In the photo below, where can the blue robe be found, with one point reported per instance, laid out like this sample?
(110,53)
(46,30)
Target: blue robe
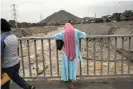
(69,68)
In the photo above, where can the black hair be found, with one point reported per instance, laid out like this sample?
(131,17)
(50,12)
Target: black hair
(5,27)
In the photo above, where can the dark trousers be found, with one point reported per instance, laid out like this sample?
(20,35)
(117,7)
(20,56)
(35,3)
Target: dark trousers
(13,73)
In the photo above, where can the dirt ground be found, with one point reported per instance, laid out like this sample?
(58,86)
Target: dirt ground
(98,63)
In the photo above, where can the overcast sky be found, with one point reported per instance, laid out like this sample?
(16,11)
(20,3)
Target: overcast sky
(30,10)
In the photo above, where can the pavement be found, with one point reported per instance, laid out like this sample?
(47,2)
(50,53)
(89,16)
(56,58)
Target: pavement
(124,83)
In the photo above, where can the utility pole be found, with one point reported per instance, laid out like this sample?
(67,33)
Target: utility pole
(41,17)
(65,19)
(53,22)
(14,11)
(95,15)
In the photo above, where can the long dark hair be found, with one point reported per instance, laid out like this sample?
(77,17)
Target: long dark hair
(5,27)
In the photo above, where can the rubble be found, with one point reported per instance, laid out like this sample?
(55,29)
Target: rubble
(100,29)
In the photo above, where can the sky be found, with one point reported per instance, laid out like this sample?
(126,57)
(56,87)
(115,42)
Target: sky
(30,10)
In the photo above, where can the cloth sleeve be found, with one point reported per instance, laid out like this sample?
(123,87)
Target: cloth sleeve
(81,34)
(58,36)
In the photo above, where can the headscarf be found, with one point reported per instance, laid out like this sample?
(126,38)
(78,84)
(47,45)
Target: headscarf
(69,41)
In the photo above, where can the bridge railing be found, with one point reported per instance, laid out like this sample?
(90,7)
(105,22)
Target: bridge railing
(103,55)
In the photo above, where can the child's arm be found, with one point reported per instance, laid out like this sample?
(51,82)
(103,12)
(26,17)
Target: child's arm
(5,78)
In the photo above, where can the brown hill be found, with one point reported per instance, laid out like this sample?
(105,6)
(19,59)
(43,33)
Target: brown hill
(59,17)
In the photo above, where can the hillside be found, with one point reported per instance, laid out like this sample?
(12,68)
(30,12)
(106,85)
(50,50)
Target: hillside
(59,17)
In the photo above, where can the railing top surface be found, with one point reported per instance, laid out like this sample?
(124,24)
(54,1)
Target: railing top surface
(90,36)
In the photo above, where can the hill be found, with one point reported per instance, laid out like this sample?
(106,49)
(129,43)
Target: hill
(61,16)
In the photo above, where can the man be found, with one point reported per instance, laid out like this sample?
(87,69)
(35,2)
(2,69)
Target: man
(9,57)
